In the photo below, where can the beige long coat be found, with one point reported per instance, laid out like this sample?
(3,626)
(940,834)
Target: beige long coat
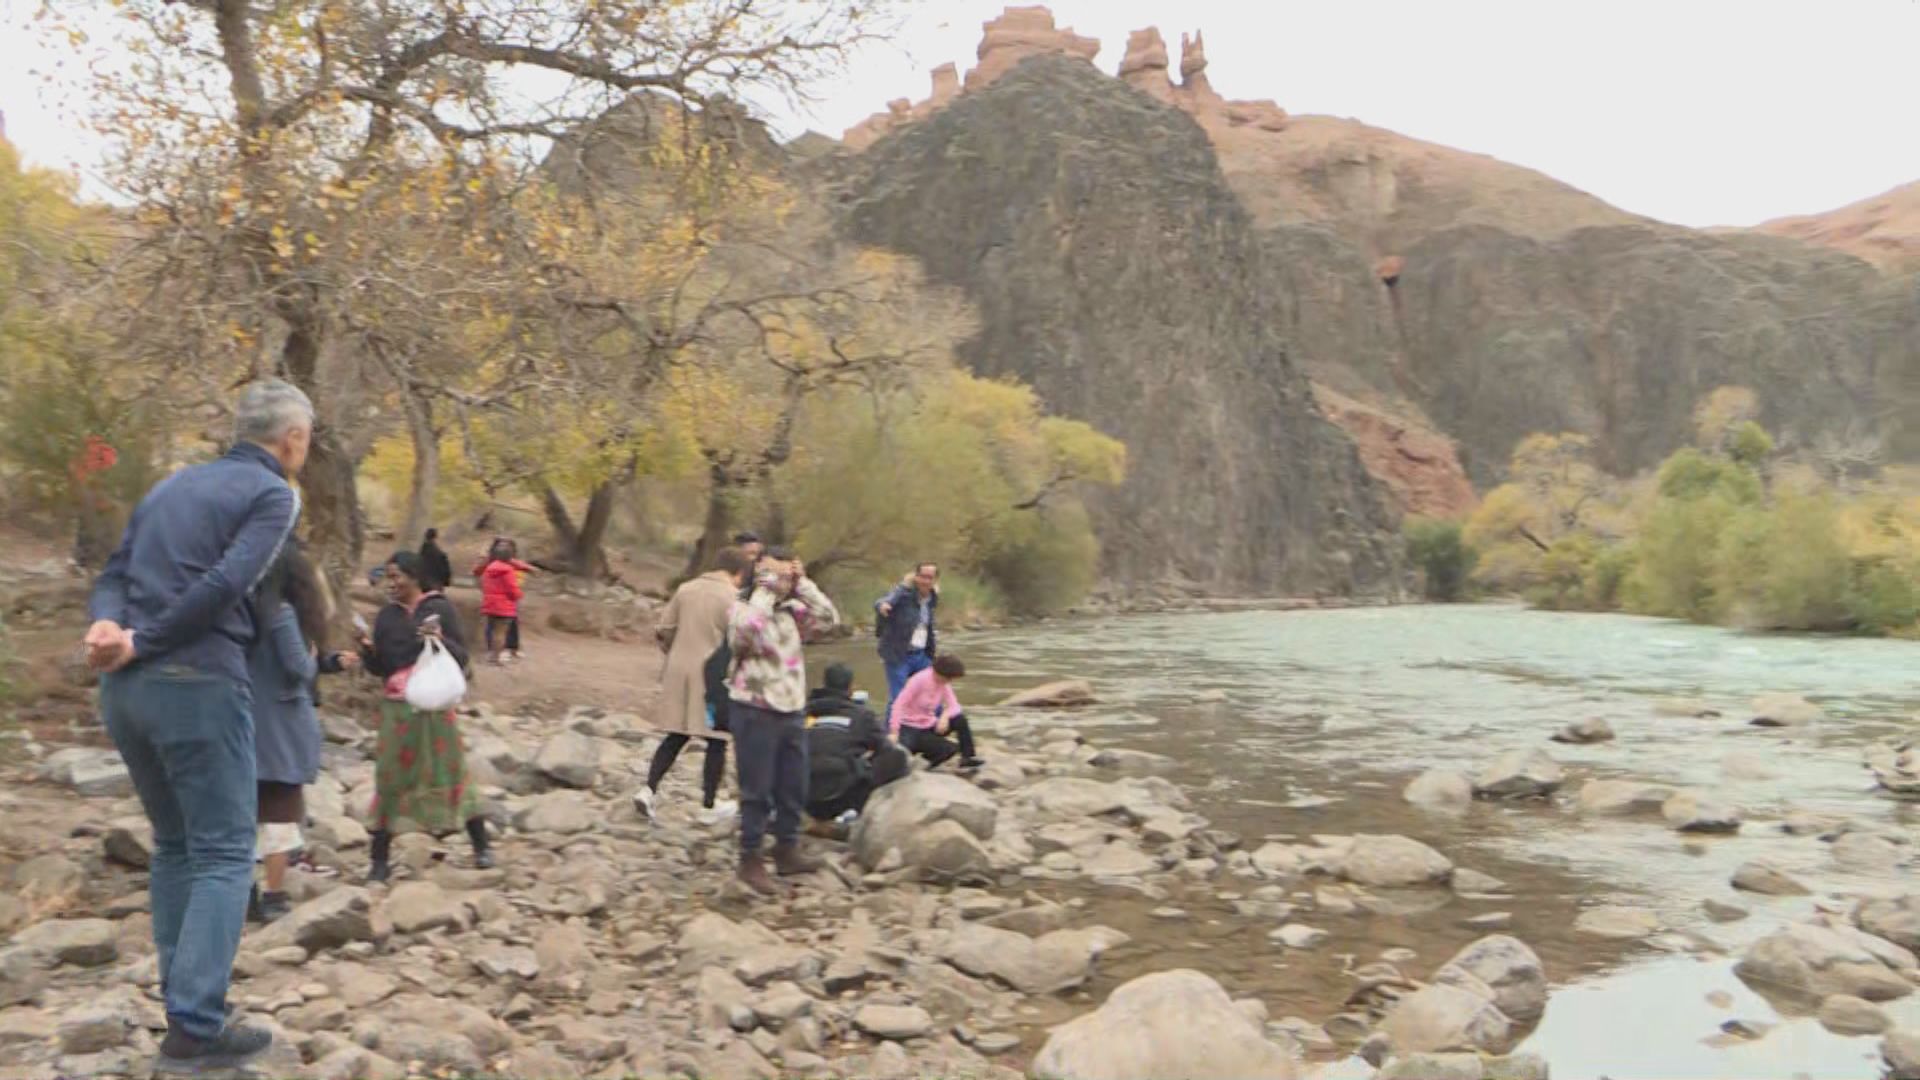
(693,625)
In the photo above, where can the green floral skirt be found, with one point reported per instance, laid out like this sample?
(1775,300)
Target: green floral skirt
(420,775)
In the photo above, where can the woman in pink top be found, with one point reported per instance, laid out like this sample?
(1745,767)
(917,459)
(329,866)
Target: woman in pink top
(927,711)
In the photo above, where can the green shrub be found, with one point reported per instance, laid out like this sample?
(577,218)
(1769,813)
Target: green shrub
(1884,597)
(1445,560)
(1749,444)
(1674,557)
(1691,474)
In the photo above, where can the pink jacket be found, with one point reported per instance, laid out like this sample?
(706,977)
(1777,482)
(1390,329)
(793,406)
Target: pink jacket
(922,702)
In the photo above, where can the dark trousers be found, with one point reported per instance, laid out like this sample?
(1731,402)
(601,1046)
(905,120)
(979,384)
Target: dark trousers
(511,624)
(187,738)
(711,770)
(938,748)
(770,752)
(890,763)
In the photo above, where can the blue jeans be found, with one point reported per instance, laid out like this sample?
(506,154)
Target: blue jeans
(187,738)
(899,671)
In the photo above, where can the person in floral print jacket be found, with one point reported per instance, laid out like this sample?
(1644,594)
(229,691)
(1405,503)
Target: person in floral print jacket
(767,689)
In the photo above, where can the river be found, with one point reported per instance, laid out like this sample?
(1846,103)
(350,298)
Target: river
(1329,713)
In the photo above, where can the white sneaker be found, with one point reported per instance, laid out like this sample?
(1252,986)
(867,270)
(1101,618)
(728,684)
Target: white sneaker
(723,810)
(643,802)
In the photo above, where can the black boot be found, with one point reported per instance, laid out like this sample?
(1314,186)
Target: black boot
(253,906)
(382,848)
(477,832)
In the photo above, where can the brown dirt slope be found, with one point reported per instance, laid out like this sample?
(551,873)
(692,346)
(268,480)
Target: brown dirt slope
(1884,230)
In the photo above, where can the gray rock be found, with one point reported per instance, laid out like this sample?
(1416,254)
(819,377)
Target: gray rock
(769,963)
(1441,1017)
(129,842)
(945,851)
(1520,774)
(80,942)
(896,1022)
(1169,1024)
(430,1048)
(1846,1015)
(1033,920)
(502,961)
(711,939)
(569,758)
(1065,694)
(1901,1051)
(1721,912)
(1517,1067)
(91,773)
(1434,1067)
(361,987)
(1766,879)
(1393,862)
(1685,708)
(339,918)
(1585,732)
(1618,922)
(1815,962)
(1507,968)
(1896,919)
(1474,883)
(94,1027)
(1785,710)
(341,729)
(1057,961)
(723,1002)
(416,907)
(48,877)
(563,813)
(1867,853)
(1299,936)
(908,806)
(995,1043)
(844,974)
(1622,797)
(1119,859)
(1440,789)
(1698,812)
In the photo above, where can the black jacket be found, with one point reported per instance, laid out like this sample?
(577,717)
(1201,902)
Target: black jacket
(895,631)
(396,635)
(438,567)
(842,737)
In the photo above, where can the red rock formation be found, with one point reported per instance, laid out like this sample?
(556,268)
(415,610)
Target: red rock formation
(1021,32)
(1418,466)
(1144,67)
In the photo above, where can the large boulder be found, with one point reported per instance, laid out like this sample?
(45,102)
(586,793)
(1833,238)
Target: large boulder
(1057,961)
(341,917)
(571,759)
(1621,797)
(1168,1024)
(1506,967)
(1807,962)
(1699,812)
(1896,919)
(1394,862)
(1441,1017)
(1440,789)
(946,851)
(80,942)
(907,806)
(1065,694)
(1520,774)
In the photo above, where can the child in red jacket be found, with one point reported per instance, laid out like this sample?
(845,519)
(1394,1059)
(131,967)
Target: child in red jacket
(500,592)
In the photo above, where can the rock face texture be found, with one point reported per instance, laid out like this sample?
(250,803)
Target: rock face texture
(1884,230)
(1116,272)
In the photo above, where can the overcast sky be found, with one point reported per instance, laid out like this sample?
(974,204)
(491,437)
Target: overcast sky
(1693,111)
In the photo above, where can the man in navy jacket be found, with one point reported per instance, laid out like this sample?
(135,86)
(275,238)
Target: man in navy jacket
(904,624)
(172,625)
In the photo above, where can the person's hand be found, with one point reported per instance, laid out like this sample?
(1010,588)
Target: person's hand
(109,646)
(886,610)
(430,629)
(349,661)
(942,726)
(799,570)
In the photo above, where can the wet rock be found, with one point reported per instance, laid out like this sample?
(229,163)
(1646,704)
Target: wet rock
(1171,1023)
(1896,770)
(1299,936)
(1434,1067)
(1065,694)
(1815,962)
(1896,919)
(1698,812)
(894,1022)
(1393,862)
(1867,853)
(1057,961)
(1745,765)
(129,842)
(1785,710)
(416,907)
(1622,797)
(1035,920)
(1474,883)
(1901,1051)
(1585,732)
(1768,880)
(1845,1015)
(570,759)
(80,942)
(339,918)
(911,805)
(1519,774)
(1507,969)
(1492,920)
(563,813)
(1618,922)
(1722,912)
(1440,789)
(1685,708)
(1440,1017)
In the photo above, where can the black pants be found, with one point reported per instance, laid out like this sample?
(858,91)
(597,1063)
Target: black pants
(710,773)
(938,748)
(512,624)
(770,752)
(513,635)
(890,763)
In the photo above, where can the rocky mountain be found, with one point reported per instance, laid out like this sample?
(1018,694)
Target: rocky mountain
(1884,230)
(1445,303)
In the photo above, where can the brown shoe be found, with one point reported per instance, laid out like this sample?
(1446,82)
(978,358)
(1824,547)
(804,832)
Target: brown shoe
(828,830)
(753,874)
(790,861)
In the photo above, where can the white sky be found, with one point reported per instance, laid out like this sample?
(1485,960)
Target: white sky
(1693,111)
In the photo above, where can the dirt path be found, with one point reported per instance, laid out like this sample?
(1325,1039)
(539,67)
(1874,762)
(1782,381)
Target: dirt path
(562,670)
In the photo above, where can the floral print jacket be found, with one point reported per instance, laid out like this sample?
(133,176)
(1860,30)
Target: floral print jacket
(766,634)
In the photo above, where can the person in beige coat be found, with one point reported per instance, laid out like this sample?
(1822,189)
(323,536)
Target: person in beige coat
(690,630)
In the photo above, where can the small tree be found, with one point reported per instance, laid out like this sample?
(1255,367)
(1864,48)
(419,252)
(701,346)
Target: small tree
(1439,549)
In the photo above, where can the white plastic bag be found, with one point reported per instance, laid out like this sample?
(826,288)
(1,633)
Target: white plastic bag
(436,683)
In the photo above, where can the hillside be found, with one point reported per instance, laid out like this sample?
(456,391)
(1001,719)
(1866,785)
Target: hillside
(1884,230)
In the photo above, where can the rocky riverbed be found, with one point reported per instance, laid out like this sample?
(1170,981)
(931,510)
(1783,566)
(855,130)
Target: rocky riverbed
(1067,912)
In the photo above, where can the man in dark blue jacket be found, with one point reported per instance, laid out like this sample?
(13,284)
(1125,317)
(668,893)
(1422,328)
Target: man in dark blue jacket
(171,632)
(904,624)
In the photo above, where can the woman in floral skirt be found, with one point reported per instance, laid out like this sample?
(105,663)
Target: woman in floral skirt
(421,770)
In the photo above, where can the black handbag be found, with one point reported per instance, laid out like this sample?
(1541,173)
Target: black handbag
(719,666)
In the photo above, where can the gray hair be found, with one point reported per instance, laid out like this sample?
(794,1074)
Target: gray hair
(268,409)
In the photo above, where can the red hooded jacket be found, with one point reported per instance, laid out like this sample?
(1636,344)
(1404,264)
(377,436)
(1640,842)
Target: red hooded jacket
(500,590)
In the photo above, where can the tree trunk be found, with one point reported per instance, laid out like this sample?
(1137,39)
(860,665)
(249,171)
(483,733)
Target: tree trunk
(582,547)
(330,508)
(718,531)
(426,465)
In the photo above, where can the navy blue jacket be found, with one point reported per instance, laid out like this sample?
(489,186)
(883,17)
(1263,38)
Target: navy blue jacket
(286,732)
(896,631)
(195,550)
